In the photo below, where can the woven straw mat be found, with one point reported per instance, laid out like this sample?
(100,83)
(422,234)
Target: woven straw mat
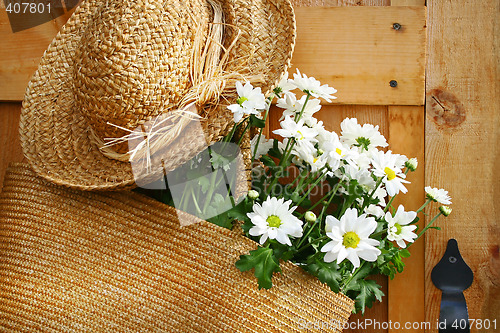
(119,261)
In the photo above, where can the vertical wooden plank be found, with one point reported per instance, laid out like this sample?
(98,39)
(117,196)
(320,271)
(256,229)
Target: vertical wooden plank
(462,146)
(406,298)
(10,146)
(407,290)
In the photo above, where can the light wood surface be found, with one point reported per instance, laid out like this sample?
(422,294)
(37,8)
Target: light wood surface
(407,136)
(354,49)
(10,146)
(462,146)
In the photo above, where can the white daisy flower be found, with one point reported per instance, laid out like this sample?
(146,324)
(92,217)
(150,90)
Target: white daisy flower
(285,86)
(363,176)
(445,210)
(351,238)
(334,150)
(438,195)
(301,133)
(264,145)
(412,164)
(305,154)
(365,137)
(388,166)
(374,210)
(250,101)
(293,107)
(313,87)
(398,229)
(253,194)
(274,220)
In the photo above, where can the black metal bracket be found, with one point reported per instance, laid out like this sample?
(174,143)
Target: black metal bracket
(452,276)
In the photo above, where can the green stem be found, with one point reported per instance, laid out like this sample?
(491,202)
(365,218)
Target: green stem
(352,276)
(196,204)
(365,202)
(428,225)
(303,107)
(389,204)
(320,177)
(311,227)
(243,134)
(309,244)
(424,205)
(381,232)
(260,132)
(329,201)
(211,190)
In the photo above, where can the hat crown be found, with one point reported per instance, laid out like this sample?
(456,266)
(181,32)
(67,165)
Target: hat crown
(134,62)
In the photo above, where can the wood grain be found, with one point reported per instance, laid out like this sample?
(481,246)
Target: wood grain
(10,146)
(407,136)
(462,146)
(20,54)
(354,49)
(407,290)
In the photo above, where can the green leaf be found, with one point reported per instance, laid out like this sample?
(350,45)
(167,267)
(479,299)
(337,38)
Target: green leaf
(268,161)
(360,274)
(404,253)
(326,272)
(257,122)
(265,264)
(239,212)
(222,220)
(274,151)
(369,291)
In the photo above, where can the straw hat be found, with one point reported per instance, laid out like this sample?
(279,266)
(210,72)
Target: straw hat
(119,261)
(117,67)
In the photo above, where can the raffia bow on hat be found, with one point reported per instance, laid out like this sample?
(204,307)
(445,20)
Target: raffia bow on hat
(118,66)
(119,261)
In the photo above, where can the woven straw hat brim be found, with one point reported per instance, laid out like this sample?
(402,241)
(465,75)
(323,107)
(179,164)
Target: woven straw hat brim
(119,261)
(56,138)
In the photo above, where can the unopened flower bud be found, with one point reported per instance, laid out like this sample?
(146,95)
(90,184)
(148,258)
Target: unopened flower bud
(310,217)
(412,164)
(445,210)
(320,152)
(252,194)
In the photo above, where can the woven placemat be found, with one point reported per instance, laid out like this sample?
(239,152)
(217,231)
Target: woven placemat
(120,261)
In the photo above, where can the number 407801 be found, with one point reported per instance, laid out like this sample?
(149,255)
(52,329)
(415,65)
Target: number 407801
(27,7)
(475,323)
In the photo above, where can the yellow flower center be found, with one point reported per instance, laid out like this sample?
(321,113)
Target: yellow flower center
(301,135)
(241,100)
(315,160)
(398,228)
(338,151)
(390,173)
(273,221)
(351,239)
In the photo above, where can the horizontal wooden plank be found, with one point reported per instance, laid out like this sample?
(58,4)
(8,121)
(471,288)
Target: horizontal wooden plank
(357,51)
(354,49)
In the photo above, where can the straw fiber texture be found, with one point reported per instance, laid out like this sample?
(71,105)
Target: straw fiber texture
(118,64)
(120,262)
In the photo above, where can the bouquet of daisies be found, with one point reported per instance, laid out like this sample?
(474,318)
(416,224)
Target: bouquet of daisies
(317,199)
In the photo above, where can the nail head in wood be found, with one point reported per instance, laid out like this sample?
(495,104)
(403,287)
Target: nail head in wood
(396,26)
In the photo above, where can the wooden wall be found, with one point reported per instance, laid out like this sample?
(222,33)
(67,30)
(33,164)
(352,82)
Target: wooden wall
(461,126)
(462,145)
